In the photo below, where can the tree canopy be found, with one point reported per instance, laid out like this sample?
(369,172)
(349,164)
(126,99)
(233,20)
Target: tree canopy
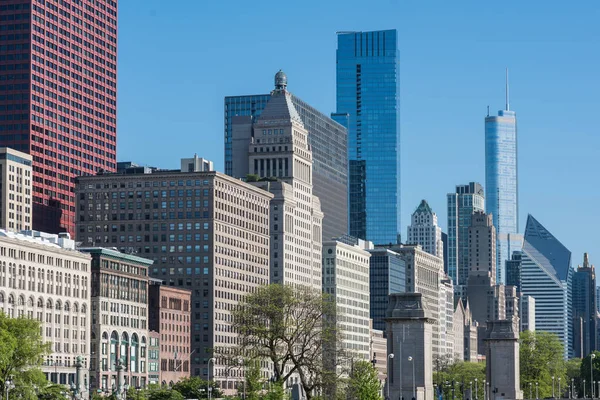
(541,358)
(363,383)
(22,349)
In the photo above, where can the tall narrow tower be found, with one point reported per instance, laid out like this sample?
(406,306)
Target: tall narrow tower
(501,182)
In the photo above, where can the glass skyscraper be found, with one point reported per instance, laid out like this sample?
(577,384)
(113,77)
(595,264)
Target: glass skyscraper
(466,200)
(368,90)
(387,275)
(547,276)
(501,184)
(328,140)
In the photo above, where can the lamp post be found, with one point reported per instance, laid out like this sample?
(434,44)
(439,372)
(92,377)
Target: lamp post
(489,394)
(484,391)
(471,389)
(572,388)
(592,356)
(9,385)
(536,391)
(410,359)
(584,388)
(209,387)
(530,391)
(552,386)
(390,357)
(476,395)
(559,392)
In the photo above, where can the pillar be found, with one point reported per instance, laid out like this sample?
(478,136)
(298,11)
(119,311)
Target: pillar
(502,360)
(409,326)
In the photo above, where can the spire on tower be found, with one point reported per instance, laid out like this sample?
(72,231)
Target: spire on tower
(507,101)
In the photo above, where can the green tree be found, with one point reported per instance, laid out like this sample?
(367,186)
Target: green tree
(573,367)
(459,377)
(587,375)
(363,383)
(289,327)
(164,394)
(21,353)
(196,388)
(541,358)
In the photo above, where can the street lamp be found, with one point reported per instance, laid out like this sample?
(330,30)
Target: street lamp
(552,386)
(476,395)
(390,357)
(410,359)
(559,392)
(530,391)
(209,387)
(584,388)
(471,389)
(592,356)
(9,385)
(572,388)
(536,391)
(489,393)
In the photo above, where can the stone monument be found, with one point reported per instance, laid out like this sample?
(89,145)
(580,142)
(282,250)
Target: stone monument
(502,360)
(409,326)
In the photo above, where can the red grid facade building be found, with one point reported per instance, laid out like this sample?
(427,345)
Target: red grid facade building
(58,96)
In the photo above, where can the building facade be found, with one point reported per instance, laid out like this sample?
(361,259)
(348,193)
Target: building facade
(462,204)
(387,275)
(169,312)
(368,90)
(15,190)
(379,354)
(501,182)
(119,332)
(547,276)
(425,231)
(328,142)
(424,273)
(205,231)
(42,277)
(527,313)
(346,280)
(584,310)
(447,317)
(58,97)
(458,326)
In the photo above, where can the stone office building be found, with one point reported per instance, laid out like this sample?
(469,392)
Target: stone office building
(119,319)
(205,231)
(43,277)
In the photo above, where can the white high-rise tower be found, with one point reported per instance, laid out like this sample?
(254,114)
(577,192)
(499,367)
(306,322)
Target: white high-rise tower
(424,230)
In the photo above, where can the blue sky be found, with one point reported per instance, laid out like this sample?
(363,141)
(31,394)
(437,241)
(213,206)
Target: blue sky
(176,63)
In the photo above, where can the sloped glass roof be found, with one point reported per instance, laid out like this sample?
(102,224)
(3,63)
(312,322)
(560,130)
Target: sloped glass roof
(546,249)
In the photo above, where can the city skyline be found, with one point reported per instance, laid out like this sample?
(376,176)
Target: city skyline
(448,85)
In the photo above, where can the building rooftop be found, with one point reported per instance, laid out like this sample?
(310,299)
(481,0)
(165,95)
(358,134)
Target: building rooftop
(112,253)
(424,208)
(57,241)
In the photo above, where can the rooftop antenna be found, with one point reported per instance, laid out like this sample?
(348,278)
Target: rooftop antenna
(507,102)
(488,114)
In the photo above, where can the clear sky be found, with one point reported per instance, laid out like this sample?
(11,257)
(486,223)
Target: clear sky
(179,58)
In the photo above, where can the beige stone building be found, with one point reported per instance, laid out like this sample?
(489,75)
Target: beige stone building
(42,276)
(15,190)
(205,231)
(379,353)
(119,326)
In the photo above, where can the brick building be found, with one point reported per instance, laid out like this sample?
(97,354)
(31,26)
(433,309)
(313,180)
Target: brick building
(169,315)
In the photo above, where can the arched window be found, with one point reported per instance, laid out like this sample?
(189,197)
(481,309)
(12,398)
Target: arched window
(11,299)
(30,302)
(83,308)
(1,297)
(104,336)
(21,301)
(49,303)
(75,307)
(67,306)
(58,305)
(114,342)
(134,353)
(40,303)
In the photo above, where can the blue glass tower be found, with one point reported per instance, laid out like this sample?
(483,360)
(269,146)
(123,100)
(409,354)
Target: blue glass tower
(368,90)
(501,183)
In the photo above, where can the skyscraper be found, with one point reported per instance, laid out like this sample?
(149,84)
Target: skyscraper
(280,158)
(584,310)
(328,142)
(501,182)
(547,276)
(368,90)
(462,204)
(58,93)
(15,190)
(387,275)
(425,231)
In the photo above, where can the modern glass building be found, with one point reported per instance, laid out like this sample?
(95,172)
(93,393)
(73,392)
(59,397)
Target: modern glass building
(501,183)
(328,141)
(462,204)
(585,333)
(368,90)
(547,276)
(387,274)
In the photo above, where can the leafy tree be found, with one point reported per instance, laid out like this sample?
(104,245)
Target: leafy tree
(363,383)
(573,373)
(458,377)
(289,327)
(541,358)
(441,363)
(586,374)
(164,394)
(253,385)
(196,388)
(21,353)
